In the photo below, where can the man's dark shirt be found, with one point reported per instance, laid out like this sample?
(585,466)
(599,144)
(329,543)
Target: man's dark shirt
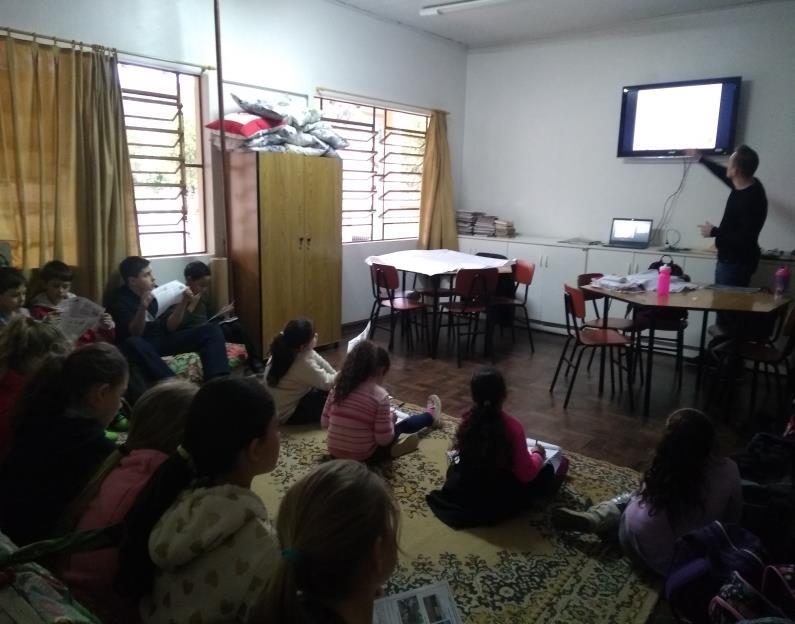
(737,235)
(122,305)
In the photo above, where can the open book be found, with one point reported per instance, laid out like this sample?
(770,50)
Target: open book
(220,316)
(432,604)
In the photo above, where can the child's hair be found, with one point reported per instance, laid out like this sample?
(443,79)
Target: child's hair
(482,439)
(157,423)
(327,525)
(285,347)
(132,266)
(224,417)
(196,270)
(11,277)
(62,382)
(675,481)
(56,270)
(24,342)
(365,360)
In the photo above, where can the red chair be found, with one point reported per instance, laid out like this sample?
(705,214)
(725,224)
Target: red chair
(385,282)
(472,291)
(523,272)
(583,338)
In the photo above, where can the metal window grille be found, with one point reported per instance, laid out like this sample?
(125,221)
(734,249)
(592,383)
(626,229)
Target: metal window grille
(162,115)
(381,169)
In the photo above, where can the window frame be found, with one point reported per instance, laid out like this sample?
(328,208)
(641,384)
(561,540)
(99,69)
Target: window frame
(379,129)
(183,166)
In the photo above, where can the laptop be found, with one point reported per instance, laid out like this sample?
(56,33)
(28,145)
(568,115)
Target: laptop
(630,233)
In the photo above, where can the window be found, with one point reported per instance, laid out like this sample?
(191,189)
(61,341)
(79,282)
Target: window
(162,113)
(381,169)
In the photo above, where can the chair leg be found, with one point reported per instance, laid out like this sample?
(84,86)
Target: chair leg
(529,331)
(612,373)
(779,389)
(680,351)
(391,328)
(573,379)
(754,382)
(560,363)
(590,360)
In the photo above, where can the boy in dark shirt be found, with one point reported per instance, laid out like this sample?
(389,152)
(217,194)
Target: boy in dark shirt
(144,338)
(198,278)
(746,210)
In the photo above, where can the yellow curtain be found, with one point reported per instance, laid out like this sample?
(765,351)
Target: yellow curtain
(65,180)
(437,219)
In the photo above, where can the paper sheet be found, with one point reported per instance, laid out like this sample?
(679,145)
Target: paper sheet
(432,604)
(360,338)
(553,452)
(167,295)
(77,314)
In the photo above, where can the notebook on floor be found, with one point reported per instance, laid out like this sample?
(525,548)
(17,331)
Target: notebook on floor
(630,233)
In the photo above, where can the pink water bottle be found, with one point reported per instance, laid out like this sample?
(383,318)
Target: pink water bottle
(781,281)
(664,280)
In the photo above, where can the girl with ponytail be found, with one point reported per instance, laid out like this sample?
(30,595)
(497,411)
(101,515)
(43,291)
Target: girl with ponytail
(337,530)
(59,437)
(494,474)
(298,378)
(198,543)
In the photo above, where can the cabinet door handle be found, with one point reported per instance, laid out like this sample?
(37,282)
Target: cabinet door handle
(301,243)
(546,263)
(308,242)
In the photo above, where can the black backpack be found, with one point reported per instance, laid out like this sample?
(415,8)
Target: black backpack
(676,270)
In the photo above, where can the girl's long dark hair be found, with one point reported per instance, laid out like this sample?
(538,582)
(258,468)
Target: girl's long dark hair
(63,381)
(365,360)
(224,417)
(675,481)
(482,439)
(285,347)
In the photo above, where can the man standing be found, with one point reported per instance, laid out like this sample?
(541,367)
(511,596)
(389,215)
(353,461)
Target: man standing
(746,210)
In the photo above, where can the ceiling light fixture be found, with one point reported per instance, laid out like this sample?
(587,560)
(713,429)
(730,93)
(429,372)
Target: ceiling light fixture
(459,5)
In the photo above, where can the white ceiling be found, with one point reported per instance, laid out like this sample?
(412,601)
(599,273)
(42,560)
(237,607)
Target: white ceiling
(510,21)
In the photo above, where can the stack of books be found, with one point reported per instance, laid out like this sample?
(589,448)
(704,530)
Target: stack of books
(504,228)
(465,221)
(484,226)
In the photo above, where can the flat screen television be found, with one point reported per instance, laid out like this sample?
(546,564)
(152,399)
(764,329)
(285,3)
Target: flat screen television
(665,119)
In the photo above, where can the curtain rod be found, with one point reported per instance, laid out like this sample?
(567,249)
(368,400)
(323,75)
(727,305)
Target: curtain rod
(364,99)
(72,42)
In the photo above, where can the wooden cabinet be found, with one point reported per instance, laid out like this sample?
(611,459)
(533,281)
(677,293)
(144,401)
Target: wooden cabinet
(285,242)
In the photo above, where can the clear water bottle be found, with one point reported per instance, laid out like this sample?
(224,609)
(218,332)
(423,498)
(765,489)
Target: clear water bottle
(664,280)
(781,281)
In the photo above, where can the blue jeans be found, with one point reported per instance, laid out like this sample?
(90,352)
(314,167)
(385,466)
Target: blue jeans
(733,273)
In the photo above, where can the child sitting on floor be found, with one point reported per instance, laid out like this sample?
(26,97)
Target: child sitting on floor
(57,279)
(24,343)
(687,486)
(198,543)
(358,417)
(337,529)
(298,377)
(493,474)
(13,287)
(158,423)
(59,438)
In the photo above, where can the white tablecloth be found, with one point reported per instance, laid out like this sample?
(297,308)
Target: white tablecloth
(436,261)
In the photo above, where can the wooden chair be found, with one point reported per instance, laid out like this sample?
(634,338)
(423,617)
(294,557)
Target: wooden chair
(473,289)
(385,282)
(523,272)
(583,337)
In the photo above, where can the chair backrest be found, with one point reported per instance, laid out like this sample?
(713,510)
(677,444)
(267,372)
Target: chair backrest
(384,276)
(577,302)
(584,279)
(475,284)
(487,254)
(523,272)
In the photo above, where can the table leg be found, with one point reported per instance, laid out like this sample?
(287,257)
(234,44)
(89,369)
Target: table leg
(604,349)
(700,368)
(434,338)
(649,365)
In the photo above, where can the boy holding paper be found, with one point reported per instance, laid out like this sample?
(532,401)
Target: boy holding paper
(145,336)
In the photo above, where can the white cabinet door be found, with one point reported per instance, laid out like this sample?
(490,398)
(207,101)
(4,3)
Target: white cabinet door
(610,261)
(559,266)
(487,245)
(700,270)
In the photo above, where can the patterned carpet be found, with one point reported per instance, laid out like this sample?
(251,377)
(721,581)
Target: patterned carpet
(519,572)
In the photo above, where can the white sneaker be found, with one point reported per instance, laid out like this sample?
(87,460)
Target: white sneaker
(434,406)
(406,443)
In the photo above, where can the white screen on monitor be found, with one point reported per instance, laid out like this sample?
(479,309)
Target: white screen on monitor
(677,117)
(631,230)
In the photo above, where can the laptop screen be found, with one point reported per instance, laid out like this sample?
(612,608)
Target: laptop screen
(631,232)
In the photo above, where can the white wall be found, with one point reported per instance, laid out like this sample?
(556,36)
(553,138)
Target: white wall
(172,268)
(295,45)
(542,123)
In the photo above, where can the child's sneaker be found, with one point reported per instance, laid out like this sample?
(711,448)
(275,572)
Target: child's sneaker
(434,407)
(406,443)
(119,423)
(111,435)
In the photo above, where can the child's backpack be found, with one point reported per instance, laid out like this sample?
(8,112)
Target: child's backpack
(739,601)
(703,561)
(666,260)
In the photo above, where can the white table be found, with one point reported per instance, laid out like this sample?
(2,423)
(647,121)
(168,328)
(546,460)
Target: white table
(434,263)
